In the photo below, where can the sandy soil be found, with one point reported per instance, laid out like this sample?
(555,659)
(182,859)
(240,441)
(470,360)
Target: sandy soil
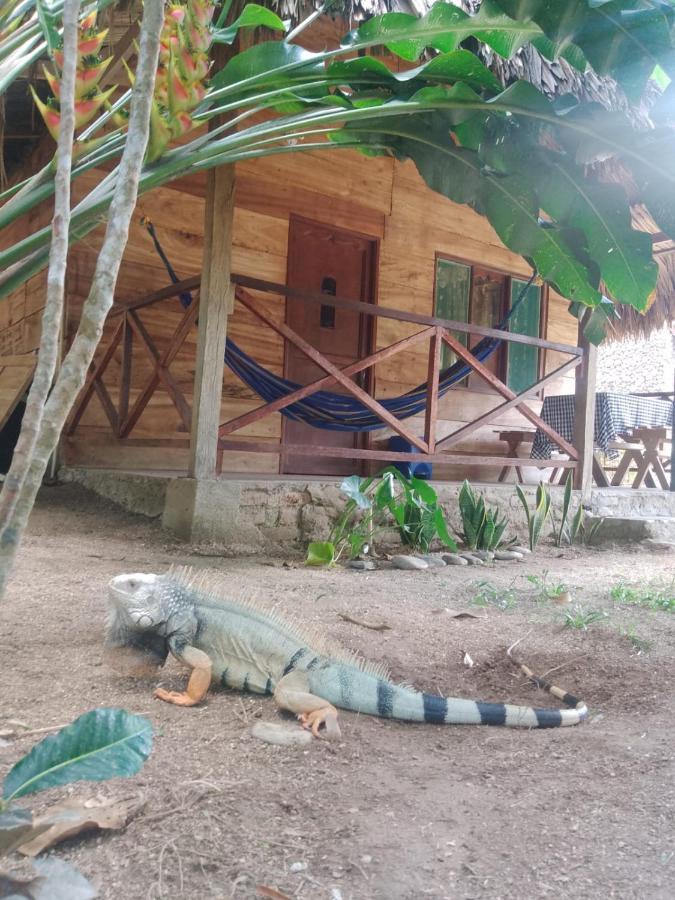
(394,812)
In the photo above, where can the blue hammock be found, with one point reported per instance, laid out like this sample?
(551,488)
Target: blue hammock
(325,409)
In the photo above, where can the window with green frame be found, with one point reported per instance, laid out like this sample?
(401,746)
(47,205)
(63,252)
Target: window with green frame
(478,296)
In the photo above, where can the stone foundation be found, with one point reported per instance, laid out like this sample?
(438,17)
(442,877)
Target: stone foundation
(278,515)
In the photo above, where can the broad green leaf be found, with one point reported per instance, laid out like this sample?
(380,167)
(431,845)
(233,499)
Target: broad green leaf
(624,256)
(510,203)
(352,487)
(443,28)
(49,16)
(442,529)
(576,523)
(252,16)
(384,492)
(101,744)
(424,489)
(320,553)
(446,68)
(623,39)
(266,64)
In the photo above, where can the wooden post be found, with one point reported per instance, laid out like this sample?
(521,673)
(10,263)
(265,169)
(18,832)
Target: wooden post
(216,299)
(584,416)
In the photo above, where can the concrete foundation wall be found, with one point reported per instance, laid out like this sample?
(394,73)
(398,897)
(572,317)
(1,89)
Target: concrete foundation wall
(277,515)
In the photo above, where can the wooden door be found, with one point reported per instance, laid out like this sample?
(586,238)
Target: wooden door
(329,261)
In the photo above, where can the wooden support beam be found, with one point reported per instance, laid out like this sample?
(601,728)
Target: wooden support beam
(492,414)
(505,391)
(325,364)
(97,369)
(584,416)
(319,385)
(216,301)
(468,459)
(386,312)
(431,413)
(125,380)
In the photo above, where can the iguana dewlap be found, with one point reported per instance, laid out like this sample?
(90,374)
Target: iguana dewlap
(239,645)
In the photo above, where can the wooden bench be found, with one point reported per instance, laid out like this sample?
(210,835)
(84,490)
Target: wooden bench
(645,450)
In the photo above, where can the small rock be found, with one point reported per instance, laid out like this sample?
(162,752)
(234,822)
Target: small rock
(454,559)
(434,561)
(366,859)
(472,560)
(408,562)
(659,546)
(361,565)
(335,894)
(485,555)
(503,555)
(296,867)
(281,735)
(518,549)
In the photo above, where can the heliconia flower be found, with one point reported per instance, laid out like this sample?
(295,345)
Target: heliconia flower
(200,38)
(89,77)
(88,22)
(201,13)
(176,13)
(91,44)
(50,115)
(197,93)
(121,118)
(86,108)
(53,82)
(179,94)
(160,134)
(181,124)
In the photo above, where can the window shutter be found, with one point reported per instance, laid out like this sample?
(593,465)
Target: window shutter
(453,286)
(522,366)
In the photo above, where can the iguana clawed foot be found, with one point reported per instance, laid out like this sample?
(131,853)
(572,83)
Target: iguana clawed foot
(327,716)
(176,697)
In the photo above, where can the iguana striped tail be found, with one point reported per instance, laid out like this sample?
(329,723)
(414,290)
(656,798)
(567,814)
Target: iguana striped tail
(366,692)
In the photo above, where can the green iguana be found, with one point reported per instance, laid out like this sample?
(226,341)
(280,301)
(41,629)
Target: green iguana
(239,645)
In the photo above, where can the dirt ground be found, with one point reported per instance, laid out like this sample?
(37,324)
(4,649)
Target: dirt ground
(395,811)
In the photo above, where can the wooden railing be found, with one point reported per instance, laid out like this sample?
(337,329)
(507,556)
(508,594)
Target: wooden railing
(130,331)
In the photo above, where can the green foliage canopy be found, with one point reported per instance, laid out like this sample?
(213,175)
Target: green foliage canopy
(510,153)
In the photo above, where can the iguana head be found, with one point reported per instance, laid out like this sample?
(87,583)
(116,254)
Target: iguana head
(136,635)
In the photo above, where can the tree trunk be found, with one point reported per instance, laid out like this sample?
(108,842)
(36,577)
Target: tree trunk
(72,375)
(52,316)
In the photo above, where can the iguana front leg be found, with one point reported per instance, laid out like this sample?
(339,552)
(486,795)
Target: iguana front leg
(291,693)
(198,684)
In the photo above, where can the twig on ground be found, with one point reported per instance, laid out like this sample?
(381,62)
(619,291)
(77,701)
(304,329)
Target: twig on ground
(381,626)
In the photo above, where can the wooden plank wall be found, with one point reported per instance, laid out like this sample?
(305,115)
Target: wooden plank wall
(380,198)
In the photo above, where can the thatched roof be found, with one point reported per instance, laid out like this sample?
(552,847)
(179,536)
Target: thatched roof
(553,78)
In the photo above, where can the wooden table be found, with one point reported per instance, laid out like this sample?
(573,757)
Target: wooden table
(514,439)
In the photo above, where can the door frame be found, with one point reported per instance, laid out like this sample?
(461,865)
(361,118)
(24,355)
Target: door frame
(367,327)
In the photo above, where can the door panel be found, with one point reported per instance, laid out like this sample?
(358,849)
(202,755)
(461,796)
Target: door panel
(336,263)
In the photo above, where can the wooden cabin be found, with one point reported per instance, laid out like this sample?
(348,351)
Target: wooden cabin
(350,256)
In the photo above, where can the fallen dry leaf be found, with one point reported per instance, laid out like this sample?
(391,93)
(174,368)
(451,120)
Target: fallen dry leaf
(47,879)
(379,626)
(71,817)
(266,891)
(457,613)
